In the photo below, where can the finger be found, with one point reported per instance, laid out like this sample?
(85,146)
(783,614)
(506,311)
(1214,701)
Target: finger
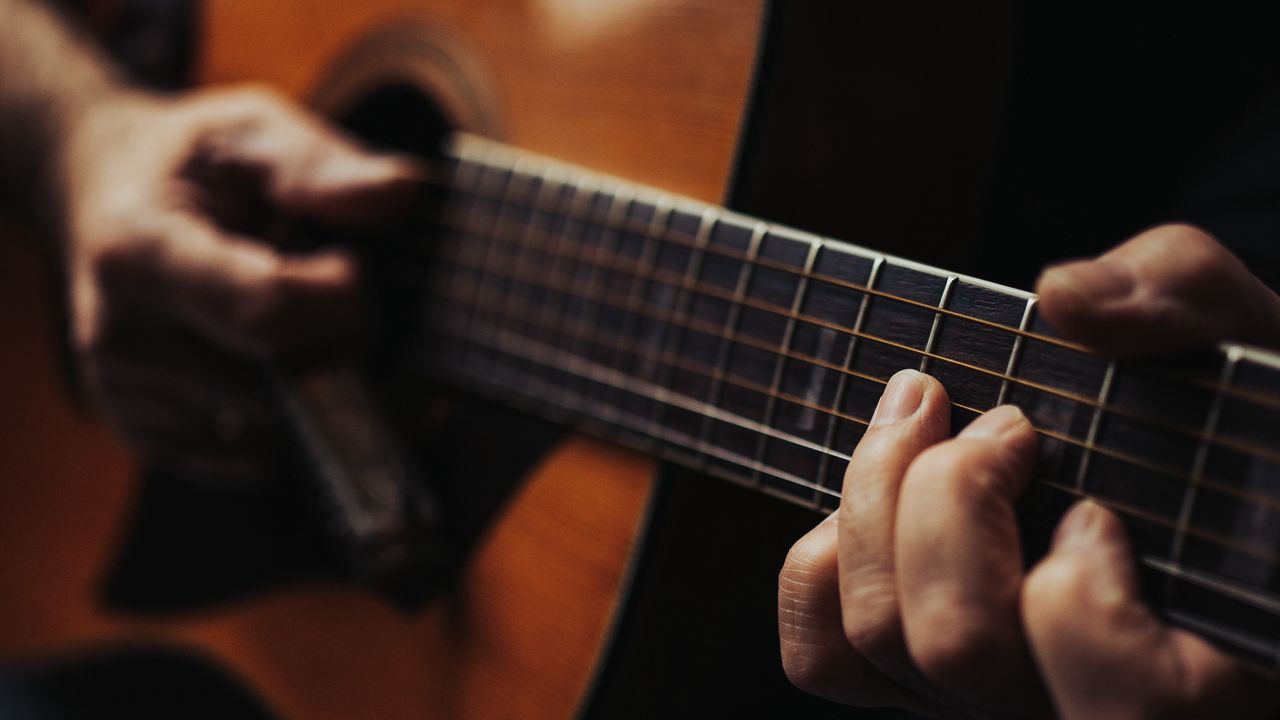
(911,416)
(1104,654)
(1169,288)
(307,167)
(960,565)
(815,655)
(247,296)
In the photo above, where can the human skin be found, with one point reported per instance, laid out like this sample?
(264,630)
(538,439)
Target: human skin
(913,594)
(174,294)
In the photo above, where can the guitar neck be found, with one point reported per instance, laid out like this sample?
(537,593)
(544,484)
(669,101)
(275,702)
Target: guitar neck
(758,353)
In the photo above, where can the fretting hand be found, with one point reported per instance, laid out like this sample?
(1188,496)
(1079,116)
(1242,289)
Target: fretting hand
(913,593)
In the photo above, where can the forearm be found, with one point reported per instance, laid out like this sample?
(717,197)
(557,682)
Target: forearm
(48,78)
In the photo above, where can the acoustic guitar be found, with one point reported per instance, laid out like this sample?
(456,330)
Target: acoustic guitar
(605,250)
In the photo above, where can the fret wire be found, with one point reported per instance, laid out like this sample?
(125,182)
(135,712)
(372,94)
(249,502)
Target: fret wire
(565,193)
(1176,570)
(937,321)
(508,226)
(489,238)
(1210,629)
(1015,353)
(845,369)
(585,190)
(1198,463)
(706,222)
(701,407)
(717,374)
(522,167)
(613,228)
(1241,446)
(1104,396)
(1269,401)
(797,303)
(720,376)
(731,321)
(590,307)
(613,377)
(1122,508)
(734,255)
(644,276)
(466,222)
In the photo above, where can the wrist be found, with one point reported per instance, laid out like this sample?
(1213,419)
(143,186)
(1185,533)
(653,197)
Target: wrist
(54,78)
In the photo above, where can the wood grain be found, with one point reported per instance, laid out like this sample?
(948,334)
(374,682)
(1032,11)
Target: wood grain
(649,90)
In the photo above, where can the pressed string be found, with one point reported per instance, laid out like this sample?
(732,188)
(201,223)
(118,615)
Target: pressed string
(1117,506)
(616,264)
(666,357)
(1254,395)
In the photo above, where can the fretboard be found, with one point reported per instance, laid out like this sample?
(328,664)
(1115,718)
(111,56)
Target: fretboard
(758,353)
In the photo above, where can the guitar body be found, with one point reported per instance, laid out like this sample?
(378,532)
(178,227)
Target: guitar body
(653,92)
(603,585)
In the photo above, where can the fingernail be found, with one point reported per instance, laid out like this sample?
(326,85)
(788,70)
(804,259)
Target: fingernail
(995,423)
(1082,527)
(901,397)
(1098,280)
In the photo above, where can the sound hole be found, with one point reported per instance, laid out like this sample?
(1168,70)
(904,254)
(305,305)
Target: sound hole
(398,117)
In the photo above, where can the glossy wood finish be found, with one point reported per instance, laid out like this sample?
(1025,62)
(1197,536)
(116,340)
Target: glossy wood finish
(647,90)
(650,90)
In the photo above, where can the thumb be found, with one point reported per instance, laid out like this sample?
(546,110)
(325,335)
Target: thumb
(1170,288)
(1104,654)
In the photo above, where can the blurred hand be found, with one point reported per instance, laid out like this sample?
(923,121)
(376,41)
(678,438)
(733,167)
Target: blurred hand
(913,593)
(174,293)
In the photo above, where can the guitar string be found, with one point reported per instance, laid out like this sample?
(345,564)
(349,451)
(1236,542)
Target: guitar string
(1211,385)
(1254,395)
(617,340)
(1118,506)
(661,443)
(635,273)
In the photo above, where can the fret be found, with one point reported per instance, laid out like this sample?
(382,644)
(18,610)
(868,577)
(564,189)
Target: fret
(976,353)
(679,228)
(1043,364)
(516,345)
(1229,493)
(1158,450)
(556,227)
(1016,350)
(574,241)
(612,241)
(1104,396)
(888,321)
(785,247)
(733,234)
(696,335)
(649,295)
(843,435)
(461,208)
(493,184)
(595,238)
(937,321)
(523,193)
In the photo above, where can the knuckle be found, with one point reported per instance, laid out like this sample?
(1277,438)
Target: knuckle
(948,643)
(963,470)
(873,622)
(942,467)
(1055,590)
(258,96)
